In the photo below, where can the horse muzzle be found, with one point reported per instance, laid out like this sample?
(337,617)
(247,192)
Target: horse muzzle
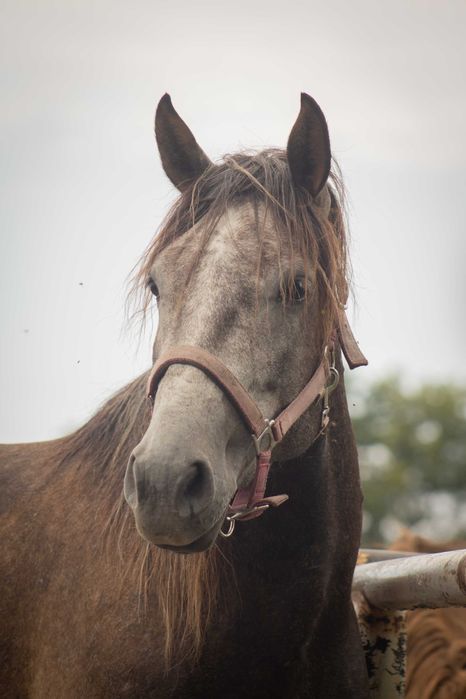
(174,501)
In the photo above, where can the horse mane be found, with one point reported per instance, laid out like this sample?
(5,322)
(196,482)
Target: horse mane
(436,654)
(186,586)
(183,587)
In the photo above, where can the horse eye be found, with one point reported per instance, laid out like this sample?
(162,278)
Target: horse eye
(293,291)
(298,290)
(154,289)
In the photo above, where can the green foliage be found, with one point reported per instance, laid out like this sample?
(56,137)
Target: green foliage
(412,450)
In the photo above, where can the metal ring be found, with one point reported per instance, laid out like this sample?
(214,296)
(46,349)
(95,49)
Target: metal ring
(335,380)
(231,527)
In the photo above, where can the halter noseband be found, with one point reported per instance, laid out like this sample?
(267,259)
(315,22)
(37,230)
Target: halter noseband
(250,502)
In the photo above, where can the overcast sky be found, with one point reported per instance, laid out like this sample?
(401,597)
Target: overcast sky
(83,190)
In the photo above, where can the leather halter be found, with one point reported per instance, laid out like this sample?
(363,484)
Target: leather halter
(250,502)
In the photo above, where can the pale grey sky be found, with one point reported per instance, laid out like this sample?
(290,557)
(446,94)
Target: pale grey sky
(83,190)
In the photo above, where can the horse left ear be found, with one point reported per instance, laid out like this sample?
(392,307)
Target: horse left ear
(308,148)
(183,159)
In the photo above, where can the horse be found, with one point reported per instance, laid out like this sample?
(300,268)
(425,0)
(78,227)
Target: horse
(194,582)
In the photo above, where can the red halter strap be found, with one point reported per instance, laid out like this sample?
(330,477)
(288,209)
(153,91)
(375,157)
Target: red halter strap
(251,502)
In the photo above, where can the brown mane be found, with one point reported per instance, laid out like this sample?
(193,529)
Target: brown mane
(187,586)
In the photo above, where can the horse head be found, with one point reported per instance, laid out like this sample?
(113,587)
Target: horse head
(249,267)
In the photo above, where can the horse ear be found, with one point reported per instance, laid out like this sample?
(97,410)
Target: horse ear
(182,158)
(308,147)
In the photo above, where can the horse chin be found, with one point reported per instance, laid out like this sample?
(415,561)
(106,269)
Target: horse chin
(203,543)
(200,544)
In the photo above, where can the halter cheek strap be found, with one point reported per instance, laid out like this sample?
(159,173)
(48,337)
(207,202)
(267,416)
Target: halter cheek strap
(250,502)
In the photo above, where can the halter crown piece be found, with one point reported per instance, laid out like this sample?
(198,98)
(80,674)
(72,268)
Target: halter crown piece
(250,502)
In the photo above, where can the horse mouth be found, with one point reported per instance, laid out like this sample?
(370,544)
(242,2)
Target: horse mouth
(203,543)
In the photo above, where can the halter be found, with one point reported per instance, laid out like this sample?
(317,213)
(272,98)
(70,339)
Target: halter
(250,502)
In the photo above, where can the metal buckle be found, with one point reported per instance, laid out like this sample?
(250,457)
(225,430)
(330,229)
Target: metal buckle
(266,433)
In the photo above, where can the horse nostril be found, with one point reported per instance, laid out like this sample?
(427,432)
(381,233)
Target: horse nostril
(129,485)
(195,490)
(135,487)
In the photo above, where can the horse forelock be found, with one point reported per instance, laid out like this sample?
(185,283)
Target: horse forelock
(303,231)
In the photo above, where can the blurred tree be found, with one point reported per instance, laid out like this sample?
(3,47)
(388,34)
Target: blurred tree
(412,449)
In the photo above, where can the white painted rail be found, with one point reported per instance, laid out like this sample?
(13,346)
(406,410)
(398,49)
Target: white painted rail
(431,580)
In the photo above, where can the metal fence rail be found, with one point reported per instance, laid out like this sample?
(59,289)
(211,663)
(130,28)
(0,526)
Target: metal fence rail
(383,589)
(428,580)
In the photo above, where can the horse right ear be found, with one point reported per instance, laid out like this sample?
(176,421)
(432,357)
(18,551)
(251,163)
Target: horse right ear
(182,158)
(308,147)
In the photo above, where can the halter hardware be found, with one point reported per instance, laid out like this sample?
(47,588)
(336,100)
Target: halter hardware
(331,384)
(259,444)
(232,519)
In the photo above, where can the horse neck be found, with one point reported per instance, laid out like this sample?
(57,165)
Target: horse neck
(322,518)
(291,569)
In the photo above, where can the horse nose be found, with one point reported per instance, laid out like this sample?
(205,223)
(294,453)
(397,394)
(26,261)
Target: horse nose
(187,490)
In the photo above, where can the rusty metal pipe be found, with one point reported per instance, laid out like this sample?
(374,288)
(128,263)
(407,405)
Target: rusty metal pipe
(371,555)
(429,580)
